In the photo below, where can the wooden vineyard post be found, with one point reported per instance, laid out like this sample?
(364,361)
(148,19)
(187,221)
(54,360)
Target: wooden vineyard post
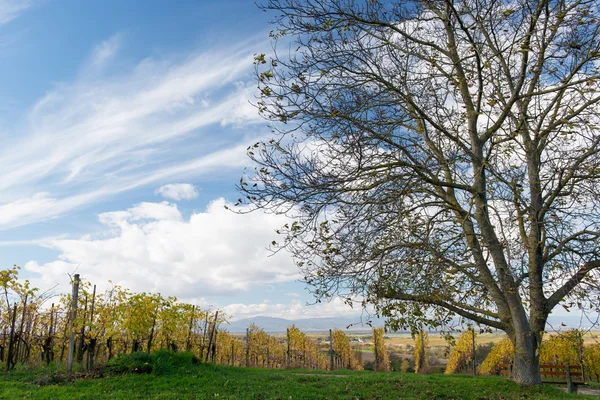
(92,344)
(247,347)
(74,297)
(79,349)
(304,361)
(288,355)
(474,361)
(210,337)
(151,338)
(213,337)
(583,372)
(48,354)
(376,350)
(267,355)
(232,354)
(11,340)
(17,352)
(204,331)
(188,345)
(4,336)
(330,350)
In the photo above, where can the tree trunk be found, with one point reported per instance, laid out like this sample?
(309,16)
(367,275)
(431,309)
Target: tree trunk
(526,365)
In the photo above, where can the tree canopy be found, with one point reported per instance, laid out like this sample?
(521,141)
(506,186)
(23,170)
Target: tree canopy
(440,158)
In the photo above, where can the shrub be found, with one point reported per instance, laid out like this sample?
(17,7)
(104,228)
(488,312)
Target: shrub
(166,362)
(138,362)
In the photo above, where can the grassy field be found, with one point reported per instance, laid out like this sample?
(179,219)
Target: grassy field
(217,382)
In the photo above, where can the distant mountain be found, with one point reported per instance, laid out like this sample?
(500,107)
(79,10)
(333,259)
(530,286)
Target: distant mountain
(279,325)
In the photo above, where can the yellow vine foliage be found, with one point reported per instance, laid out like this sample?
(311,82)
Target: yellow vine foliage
(421,358)
(230,349)
(343,350)
(382,358)
(304,353)
(501,353)
(265,350)
(591,359)
(562,348)
(118,321)
(462,352)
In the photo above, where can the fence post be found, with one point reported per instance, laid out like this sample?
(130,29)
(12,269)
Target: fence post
(74,298)
(571,388)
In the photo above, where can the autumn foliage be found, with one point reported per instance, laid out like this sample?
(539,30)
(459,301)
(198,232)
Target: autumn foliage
(118,321)
(421,358)
(382,357)
(462,352)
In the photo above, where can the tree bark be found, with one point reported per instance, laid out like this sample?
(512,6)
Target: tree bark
(526,365)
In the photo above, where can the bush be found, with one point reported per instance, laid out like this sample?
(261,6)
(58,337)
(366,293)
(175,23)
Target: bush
(162,362)
(167,362)
(138,362)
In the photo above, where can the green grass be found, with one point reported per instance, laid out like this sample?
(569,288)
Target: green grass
(218,382)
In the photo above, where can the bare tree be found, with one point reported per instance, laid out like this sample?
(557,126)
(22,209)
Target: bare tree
(440,158)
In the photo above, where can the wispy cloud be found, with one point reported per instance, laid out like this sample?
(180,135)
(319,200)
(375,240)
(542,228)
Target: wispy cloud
(103,53)
(11,9)
(93,138)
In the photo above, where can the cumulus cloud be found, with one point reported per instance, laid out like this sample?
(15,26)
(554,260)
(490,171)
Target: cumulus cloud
(151,247)
(178,191)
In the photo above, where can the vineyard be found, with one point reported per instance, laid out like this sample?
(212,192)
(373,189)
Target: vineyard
(86,327)
(83,328)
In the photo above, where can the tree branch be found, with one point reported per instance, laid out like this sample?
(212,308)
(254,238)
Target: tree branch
(565,289)
(470,314)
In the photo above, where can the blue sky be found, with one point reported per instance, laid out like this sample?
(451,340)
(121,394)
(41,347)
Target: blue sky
(124,127)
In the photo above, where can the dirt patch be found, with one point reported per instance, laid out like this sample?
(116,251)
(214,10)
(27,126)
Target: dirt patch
(584,390)
(325,375)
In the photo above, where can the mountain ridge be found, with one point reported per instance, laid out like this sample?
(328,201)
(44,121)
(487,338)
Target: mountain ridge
(358,324)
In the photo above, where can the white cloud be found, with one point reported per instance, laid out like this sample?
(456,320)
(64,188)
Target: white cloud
(11,9)
(152,248)
(178,191)
(294,310)
(104,52)
(97,136)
